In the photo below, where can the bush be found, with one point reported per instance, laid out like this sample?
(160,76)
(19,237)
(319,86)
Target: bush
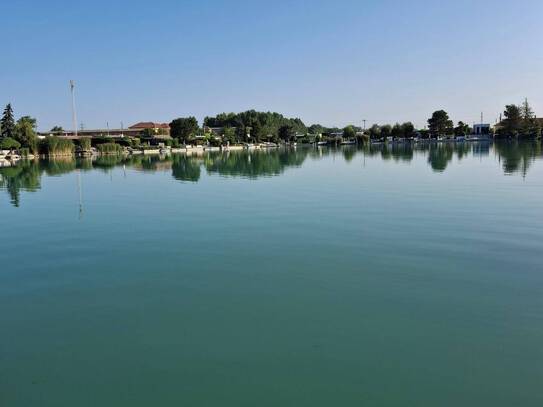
(109,148)
(85,143)
(54,145)
(9,144)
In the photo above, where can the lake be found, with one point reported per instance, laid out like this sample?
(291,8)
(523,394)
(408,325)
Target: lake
(379,276)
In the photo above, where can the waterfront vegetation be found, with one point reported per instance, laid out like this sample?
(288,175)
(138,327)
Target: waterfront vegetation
(109,148)
(519,122)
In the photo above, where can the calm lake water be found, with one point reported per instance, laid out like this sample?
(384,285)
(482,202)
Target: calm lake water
(309,277)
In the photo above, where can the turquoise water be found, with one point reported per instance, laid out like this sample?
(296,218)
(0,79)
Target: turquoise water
(309,277)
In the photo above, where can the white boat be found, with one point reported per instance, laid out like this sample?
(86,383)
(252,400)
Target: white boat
(322,143)
(348,142)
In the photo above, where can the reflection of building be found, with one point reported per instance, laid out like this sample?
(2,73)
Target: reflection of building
(481,129)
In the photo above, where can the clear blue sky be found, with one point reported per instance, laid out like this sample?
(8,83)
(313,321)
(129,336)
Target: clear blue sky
(331,62)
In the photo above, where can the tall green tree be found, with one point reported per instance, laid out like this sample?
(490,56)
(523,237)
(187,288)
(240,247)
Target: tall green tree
(397,131)
(513,120)
(529,126)
(461,130)
(183,128)
(374,132)
(440,124)
(386,131)
(286,132)
(408,129)
(25,133)
(7,123)
(349,132)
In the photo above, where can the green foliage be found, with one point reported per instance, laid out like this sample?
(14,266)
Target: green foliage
(85,143)
(25,133)
(260,125)
(408,129)
(183,128)
(349,132)
(386,131)
(57,130)
(286,132)
(316,129)
(374,132)
(396,131)
(54,145)
(8,143)
(229,135)
(529,126)
(7,123)
(109,148)
(462,129)
(440,124)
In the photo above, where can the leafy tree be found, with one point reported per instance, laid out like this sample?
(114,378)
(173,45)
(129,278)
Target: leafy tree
(184,128)
(57,130)
(229,135)
(462,129)
(25,133)
(513,120)
(260,125)
(530,126)
(286,132)
(397,131)
(349,132)
(408,129)
(316,129)
(386,131)
(9,143)
(440,124)
(7,123)
(374,132)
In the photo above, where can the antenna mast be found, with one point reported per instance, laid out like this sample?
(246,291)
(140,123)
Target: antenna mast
(74,115)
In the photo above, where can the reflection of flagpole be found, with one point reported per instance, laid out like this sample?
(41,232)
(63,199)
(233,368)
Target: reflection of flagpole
(79,189)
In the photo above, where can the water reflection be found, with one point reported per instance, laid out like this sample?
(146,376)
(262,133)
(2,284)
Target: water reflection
(514,157)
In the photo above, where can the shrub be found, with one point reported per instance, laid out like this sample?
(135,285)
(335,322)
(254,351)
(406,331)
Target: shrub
(85,143)
(109,148)
(8,144)
(54,145)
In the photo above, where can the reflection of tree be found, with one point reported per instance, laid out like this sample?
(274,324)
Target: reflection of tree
(439,156)
(255,163)
(348,153)
(58,165)
(185,168)
(518,156)
(25,176)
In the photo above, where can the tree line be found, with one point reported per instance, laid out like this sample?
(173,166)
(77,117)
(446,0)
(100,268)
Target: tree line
(252,126)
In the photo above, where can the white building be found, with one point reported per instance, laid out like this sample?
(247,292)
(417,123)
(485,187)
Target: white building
(481,129)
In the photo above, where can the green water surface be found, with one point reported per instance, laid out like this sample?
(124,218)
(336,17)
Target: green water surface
(384,276)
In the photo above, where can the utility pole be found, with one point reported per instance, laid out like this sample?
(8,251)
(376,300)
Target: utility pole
(74,115)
